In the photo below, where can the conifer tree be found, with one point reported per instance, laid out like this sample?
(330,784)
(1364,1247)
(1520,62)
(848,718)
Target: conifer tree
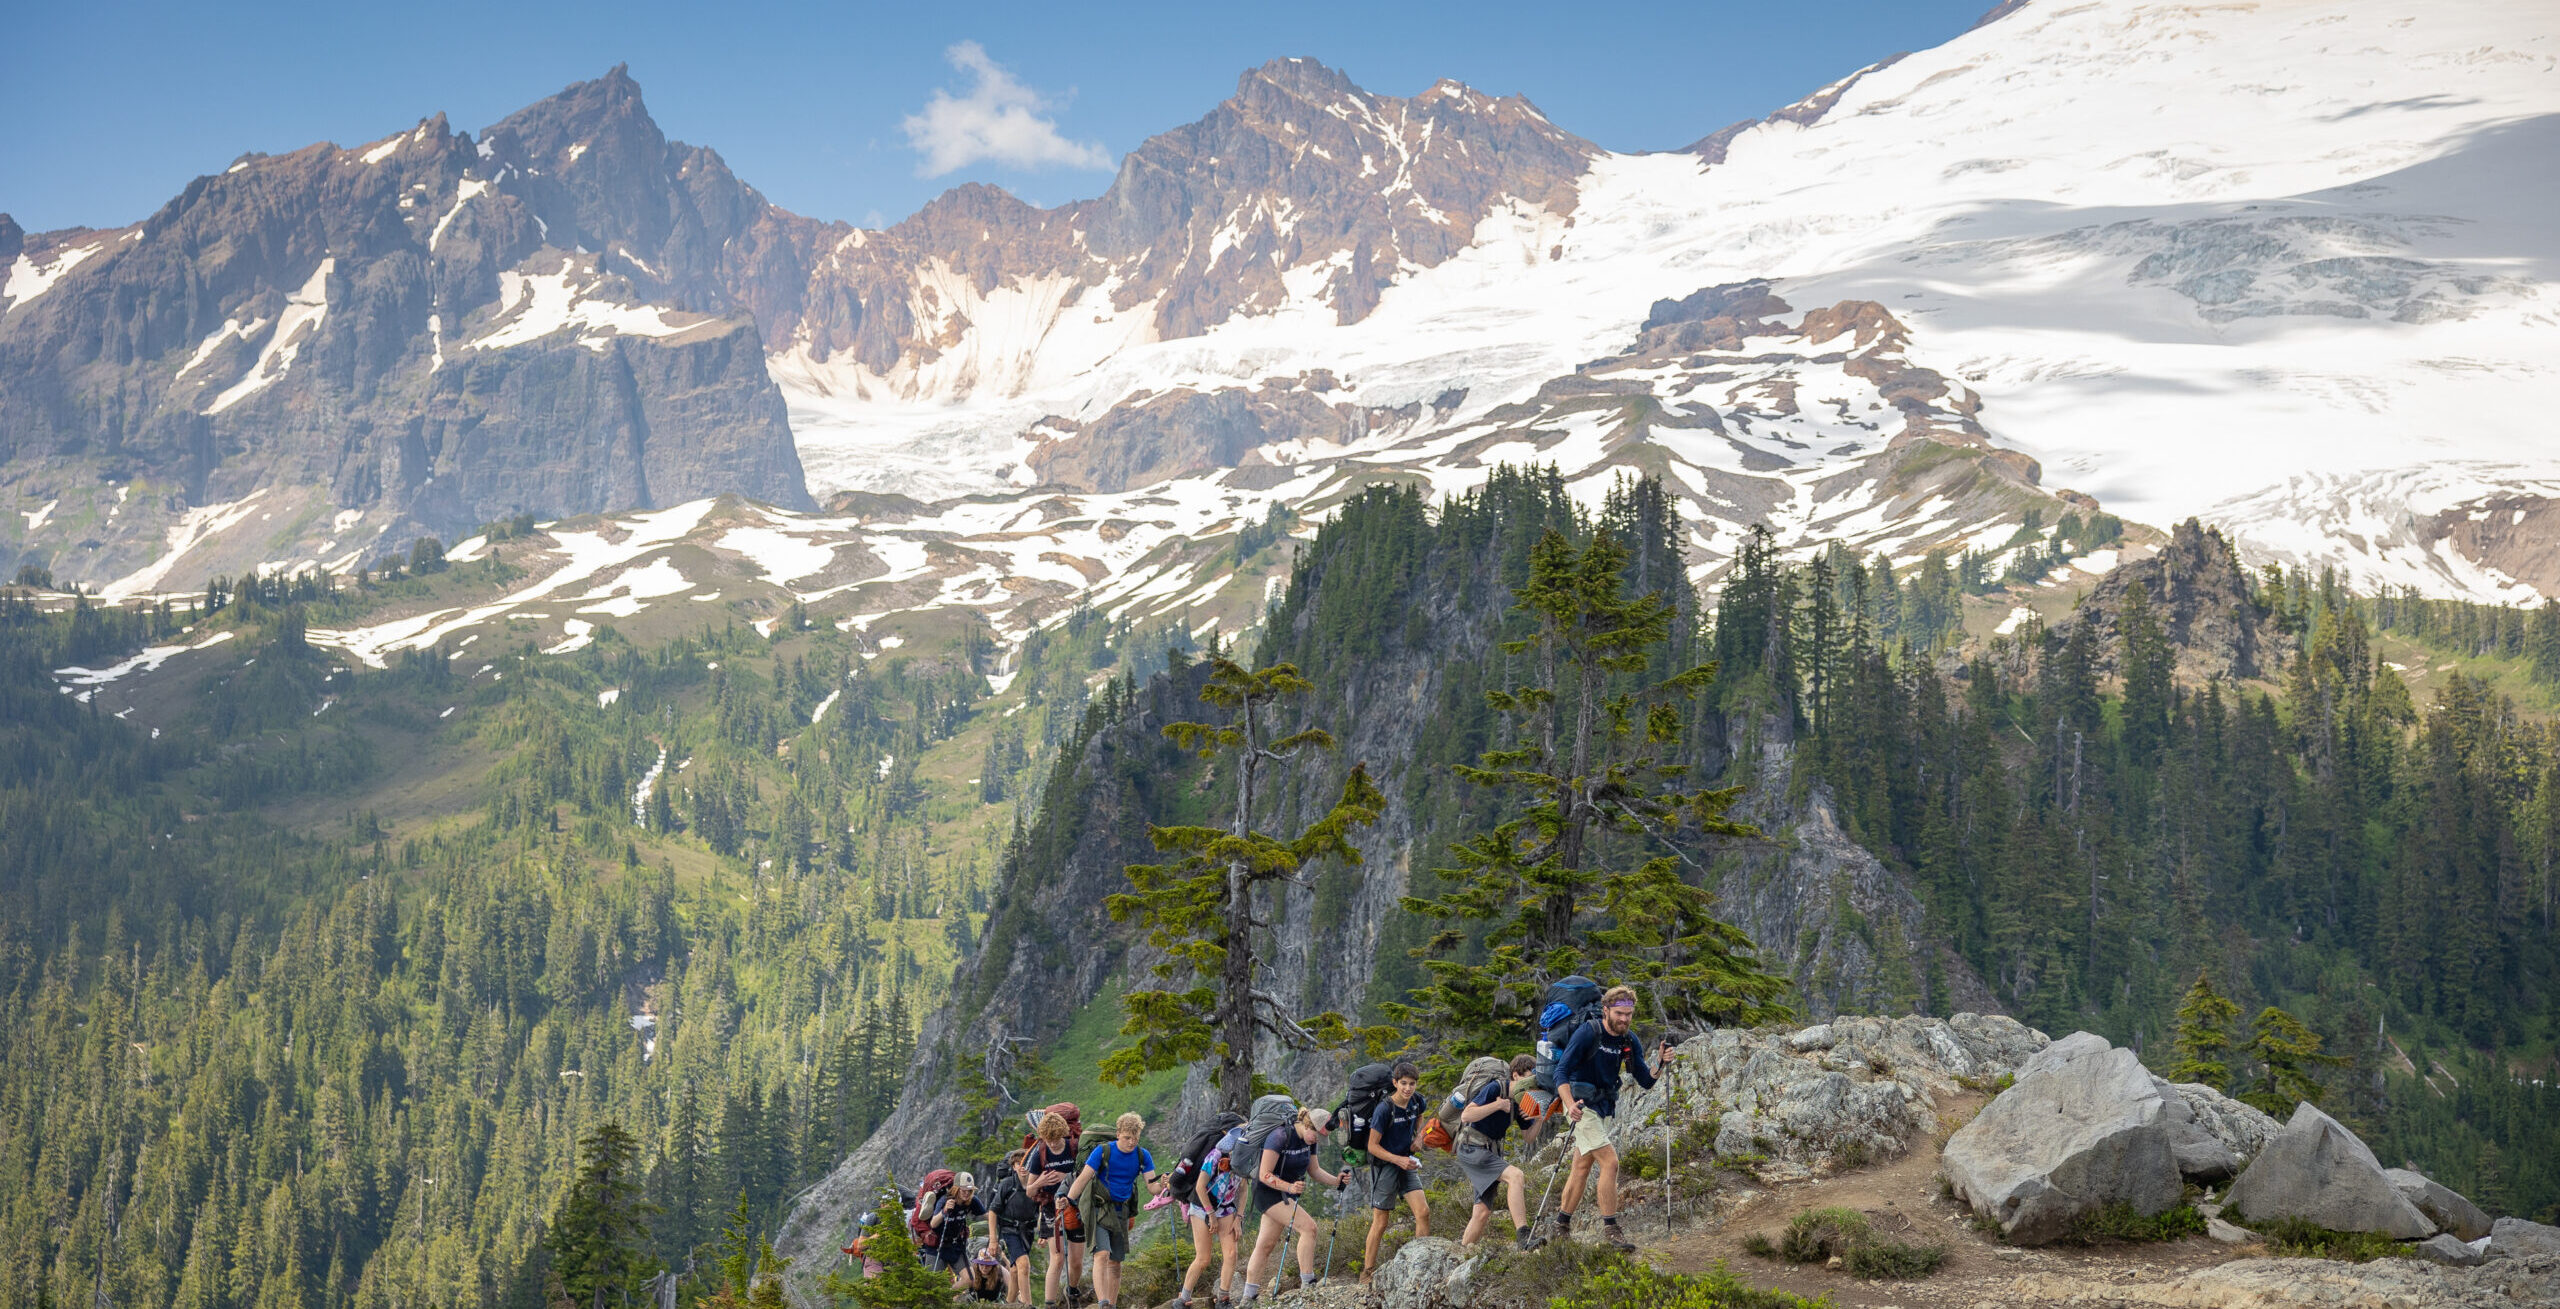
(1199,907)
(2286,1052)
(1591,755)
(2204,1035)
(903,1282)
(598,1236)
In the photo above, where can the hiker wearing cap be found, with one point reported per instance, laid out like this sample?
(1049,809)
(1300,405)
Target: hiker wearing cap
(1045,1173)
(1279,1186)
(1587,1087)
(1394,1170)
(954,1211)
(1116,1166)
(1486,1116)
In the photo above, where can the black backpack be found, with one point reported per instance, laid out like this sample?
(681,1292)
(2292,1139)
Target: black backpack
(1370,1083)
(1011,1205)
(1566,1005)
(1186,1170)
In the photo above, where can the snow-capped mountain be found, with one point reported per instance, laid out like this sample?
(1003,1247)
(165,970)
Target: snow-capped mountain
(2288,265)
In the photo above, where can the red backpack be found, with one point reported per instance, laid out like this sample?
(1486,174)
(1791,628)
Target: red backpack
(920,1224)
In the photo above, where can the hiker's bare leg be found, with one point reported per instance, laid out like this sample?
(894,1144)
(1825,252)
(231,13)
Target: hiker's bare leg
(1378,1219)
(1257,1270)
(1306,1246)
(1421,1206)
(1608,1181)
(1574,1181)
(1475,1224)
(1230,1237)
(1199,1255)
(1517,1183)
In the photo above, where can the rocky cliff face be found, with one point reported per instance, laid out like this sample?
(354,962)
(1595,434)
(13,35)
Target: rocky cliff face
(2205,601)
(422,335)
(1843,923)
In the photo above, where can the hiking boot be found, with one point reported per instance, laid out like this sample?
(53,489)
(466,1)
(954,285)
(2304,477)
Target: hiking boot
(1529,1240)
(1618,1238)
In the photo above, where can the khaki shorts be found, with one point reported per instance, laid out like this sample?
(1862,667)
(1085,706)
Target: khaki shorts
(1591,1132)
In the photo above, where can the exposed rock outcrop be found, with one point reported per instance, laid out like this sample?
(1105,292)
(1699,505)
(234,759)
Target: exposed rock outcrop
(1858,1087)
(1429,1272)
(2205,602)
(2316,1170)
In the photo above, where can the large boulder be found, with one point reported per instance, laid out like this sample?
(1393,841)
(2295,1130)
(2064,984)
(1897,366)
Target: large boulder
(2514,1237)
(2447,1249)
(1430,1272)
(2442,1205)
(2316,1170)
(2085,1126)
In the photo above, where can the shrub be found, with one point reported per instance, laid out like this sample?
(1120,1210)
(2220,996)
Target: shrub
(1818,1234)
(1852,1155)
(2122,1222)
(2304,1239)
(1639,1284)
(1884,1260)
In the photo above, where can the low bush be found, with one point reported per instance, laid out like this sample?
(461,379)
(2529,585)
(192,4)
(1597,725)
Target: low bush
(1818,1235)
(1639,1284)
(2122,1222)
(2304,1239)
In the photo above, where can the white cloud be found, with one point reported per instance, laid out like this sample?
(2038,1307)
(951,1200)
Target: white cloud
(999,120)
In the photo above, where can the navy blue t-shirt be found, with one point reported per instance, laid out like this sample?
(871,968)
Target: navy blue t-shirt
(1295,1153)
(1493,1126)
(1392,1125)
(1593,1059)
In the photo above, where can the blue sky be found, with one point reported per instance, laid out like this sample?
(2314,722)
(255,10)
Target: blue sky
(841,110)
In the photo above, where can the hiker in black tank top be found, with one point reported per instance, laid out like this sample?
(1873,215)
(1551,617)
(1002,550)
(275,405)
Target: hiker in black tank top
(1287,1165)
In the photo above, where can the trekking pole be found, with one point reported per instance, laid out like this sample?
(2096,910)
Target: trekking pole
(1336,1233)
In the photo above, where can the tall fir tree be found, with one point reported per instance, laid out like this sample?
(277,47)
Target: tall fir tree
(1200,907)
(599,1236)
(1591,759)
(2287,1051)
(2204,1036)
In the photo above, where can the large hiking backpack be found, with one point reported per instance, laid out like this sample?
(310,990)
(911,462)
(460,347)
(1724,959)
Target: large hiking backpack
(920,1224)
(1243,1145)
(1479,1070)
(1186,1170)
(1064,1109)
(1568,1003)
(1370,1083)
(1009,1202)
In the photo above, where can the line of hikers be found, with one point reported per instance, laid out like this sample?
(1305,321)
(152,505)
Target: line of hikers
(1064,1195)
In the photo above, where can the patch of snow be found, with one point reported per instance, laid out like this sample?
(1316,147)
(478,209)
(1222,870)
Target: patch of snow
(193,528)
(36,518)
(303,312)
(144,662)
(648,783)
(606,697)
(29,279)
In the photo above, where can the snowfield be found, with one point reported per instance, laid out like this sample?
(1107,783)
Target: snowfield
(2186,256)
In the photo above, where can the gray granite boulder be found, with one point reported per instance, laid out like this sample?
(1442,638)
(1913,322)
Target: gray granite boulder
(2515,1236)
(2440,1203)
(2085,1126)
(1430,1272)
(2316,1170)
(2448,1249)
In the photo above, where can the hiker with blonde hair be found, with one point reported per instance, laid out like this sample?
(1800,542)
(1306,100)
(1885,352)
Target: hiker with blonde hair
(1116,1166)
(1279,1186)
(1045,1174)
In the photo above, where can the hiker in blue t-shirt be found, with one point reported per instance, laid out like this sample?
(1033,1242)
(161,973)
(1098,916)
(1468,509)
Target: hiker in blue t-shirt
(1119,1164)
